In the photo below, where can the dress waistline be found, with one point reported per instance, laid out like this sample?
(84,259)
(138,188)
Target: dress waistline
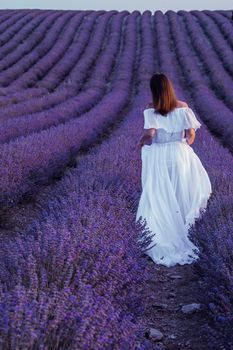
(183,140)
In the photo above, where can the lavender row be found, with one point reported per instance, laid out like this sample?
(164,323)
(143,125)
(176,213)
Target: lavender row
(4,17)
(7,96)
(147,56)
(76,52)
(53,99)
(11,98)
(12,20)
(56,52)
(91,290)
(205,100)
(163,55)
(73,107)
(8,42)
(217,40)
(224,25)
(220,81)
(95,284)
(212,232)
(226,13)
(14,41)
(73,70)
(16,35)
(17,62)
(31,105)
(36,157)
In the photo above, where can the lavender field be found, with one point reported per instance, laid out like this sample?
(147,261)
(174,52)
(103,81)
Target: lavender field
(73,86)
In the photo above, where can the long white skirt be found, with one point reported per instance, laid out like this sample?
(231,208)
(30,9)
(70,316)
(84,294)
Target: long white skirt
(175,186)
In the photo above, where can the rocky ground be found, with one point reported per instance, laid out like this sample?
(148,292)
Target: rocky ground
(176,317)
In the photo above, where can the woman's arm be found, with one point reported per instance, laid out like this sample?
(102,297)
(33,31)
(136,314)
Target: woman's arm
(190,135)
(146,136)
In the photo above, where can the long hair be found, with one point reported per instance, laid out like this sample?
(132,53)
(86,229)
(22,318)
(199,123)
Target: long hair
(163,94)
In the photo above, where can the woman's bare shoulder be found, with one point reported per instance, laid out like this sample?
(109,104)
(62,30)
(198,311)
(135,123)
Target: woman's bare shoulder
(181,104)
(150,105)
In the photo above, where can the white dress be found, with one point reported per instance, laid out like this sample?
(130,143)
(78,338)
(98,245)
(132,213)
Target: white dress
(175,186)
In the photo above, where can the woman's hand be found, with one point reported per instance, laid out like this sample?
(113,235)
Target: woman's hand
(145,138)
(139,145)
(190,135)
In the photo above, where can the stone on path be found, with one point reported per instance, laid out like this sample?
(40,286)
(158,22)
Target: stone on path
(155,334)
(172,336)
(175,276)
(160,305)
(190,308)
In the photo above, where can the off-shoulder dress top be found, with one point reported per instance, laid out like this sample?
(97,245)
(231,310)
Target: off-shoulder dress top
(170,127)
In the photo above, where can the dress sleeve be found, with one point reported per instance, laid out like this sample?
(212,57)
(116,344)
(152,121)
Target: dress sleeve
(190,120)
(148,121)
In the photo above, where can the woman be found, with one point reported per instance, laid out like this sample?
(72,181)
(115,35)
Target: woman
(175,185)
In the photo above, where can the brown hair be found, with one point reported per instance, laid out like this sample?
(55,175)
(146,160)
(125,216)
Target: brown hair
(163,94)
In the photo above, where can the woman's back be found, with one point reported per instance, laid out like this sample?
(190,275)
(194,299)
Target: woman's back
(171,127)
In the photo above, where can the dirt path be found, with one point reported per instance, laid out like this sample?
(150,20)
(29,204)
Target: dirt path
(171,289)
